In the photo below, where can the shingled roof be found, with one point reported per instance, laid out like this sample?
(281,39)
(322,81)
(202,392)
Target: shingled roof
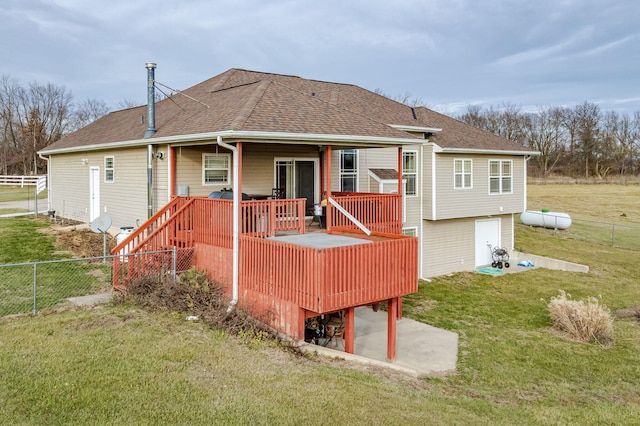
(248,101)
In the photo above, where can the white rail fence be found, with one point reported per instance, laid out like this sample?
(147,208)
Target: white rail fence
(33,185)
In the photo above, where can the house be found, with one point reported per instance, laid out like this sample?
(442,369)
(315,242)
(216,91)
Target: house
(462,188)
(287,145)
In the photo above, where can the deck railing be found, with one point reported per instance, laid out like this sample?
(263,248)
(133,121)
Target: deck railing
(378,212)
(328,279)
(319,280)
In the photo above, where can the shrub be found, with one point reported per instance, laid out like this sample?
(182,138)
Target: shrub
(586,321)
(192,294)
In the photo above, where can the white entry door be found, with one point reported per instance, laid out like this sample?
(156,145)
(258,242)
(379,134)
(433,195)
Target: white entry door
(487,233)
(94,193)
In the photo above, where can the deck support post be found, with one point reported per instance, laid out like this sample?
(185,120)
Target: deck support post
(349,330)
(302,316)
(392,328)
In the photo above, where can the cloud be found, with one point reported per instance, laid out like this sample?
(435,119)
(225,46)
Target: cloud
(448,54)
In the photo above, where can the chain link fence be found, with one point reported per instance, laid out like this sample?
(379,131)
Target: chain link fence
(613,234)
(607,233)
(33,286)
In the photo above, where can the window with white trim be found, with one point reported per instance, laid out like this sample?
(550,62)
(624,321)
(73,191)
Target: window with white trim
(462,177)
(109,169)
(216,169)
(349,170)
(500,176)
(410,171)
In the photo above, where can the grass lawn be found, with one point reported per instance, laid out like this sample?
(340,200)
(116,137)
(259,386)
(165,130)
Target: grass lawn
(16,193)
(120,365)
(20,245)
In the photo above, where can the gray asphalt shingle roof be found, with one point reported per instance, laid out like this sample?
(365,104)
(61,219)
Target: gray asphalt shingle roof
(249,101)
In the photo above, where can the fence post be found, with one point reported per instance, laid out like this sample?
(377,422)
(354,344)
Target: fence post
(34,287)
(613,235)
(174,262)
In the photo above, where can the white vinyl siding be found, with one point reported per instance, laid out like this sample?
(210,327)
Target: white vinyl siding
(450,245)
(124,200)
(500,176)
(109,169)
(449,203)
(216,169)
(462,174)
(410,172)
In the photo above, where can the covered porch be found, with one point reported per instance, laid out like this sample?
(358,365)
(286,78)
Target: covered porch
(261,252)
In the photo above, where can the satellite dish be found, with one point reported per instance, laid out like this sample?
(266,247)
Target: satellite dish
(101,224)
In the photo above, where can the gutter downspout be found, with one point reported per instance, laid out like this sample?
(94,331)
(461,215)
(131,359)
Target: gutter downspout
(48,180)
(149,181)
(236,222)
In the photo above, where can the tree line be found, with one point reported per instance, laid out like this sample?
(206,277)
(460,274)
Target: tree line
(34,116)
(579,141)
(582,141)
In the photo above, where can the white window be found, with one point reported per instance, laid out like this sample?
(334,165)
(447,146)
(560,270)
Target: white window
(410,172)
(412,232)
(216,169)
(349,170)
(462,174)
(500,176)
(109,169)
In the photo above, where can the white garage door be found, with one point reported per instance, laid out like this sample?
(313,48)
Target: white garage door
(487,232)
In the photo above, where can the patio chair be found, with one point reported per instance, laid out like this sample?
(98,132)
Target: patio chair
(277,193)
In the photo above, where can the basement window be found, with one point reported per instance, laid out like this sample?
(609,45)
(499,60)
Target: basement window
(109,169)
(216,169)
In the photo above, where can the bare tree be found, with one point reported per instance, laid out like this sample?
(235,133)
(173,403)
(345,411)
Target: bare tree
(475,117)
(32,118)
(507,120)
(406,99)
(545,134)
(590,148)
(86,112)
(127,103)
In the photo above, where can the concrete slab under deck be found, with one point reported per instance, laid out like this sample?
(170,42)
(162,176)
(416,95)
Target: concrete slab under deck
(422,350)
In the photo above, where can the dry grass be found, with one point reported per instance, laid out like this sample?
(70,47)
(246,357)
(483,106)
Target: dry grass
(605,202)
(586,321)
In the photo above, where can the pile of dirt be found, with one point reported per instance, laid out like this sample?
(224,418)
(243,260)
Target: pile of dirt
(82,242)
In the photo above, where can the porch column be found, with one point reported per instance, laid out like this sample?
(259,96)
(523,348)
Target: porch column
(349,330)
(391,328)
(328,174)
(400,212)
(323,154)
(400,187)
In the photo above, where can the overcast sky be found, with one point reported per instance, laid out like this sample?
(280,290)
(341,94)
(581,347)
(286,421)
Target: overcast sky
(445,53)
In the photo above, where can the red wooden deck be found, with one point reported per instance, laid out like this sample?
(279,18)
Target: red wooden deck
(279,281)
